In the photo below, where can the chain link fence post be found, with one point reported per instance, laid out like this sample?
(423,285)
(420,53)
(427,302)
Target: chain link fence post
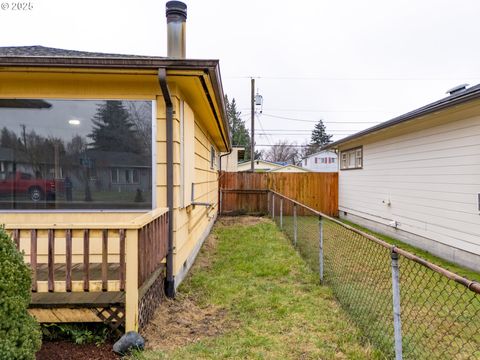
(295,231)
(273,207)
(220,202)
(320,247)
(281,214)
(397,322)
(268,203)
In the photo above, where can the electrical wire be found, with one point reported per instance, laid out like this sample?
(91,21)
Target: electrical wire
(316,121)
(261,127)
(325,78)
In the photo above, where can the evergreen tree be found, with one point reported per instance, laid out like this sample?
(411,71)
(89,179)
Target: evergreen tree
(319,137)
(113,129)
(8,138)
(240,135)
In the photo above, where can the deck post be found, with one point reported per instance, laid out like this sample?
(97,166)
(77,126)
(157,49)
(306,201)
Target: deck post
(131,285)
(295,225)
(320,250)
(281,214)
(397,323)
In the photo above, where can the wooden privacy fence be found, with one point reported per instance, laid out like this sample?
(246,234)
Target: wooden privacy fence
(245,192)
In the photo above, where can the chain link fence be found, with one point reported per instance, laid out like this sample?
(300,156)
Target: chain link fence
(405,306)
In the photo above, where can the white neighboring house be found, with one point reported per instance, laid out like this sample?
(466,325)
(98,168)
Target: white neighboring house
(229,162)
(417,177)
(322,161)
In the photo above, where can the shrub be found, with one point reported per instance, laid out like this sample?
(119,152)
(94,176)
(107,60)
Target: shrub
(20,336)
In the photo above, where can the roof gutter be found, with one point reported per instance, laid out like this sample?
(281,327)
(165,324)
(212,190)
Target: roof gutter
(162,79)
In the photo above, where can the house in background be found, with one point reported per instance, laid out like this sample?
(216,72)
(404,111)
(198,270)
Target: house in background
(290,168)
(115,124)
(260,165)
(322,161)
(229,162)
(417,177)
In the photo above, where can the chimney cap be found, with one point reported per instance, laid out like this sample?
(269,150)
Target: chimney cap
(176,8)
(457,88)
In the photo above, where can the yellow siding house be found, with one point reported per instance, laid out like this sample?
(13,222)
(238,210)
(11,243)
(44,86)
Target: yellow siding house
(109,173)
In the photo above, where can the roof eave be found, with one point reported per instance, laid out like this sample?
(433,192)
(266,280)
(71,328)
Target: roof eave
(210,67)
(99,62)
(412,115)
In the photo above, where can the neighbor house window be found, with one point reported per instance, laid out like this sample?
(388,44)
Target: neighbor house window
(316,160)
(352,159)
(75,154)
(115,176)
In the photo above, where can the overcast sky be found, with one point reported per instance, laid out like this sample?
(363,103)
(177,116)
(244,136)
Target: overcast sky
(351,63)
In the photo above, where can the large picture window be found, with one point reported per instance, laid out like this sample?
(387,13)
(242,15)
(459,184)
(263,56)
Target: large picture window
(75,154)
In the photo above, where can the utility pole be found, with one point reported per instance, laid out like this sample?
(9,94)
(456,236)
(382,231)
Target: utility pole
(252,135)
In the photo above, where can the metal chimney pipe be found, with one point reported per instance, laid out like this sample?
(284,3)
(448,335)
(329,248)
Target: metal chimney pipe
(176,29)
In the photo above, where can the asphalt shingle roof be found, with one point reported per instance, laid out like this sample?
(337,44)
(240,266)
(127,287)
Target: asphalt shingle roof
(42,51)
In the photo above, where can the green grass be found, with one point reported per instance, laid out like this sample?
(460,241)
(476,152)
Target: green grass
(440,318)
(273,300)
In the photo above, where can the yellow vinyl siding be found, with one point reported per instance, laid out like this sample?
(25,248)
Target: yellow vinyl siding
(192,221)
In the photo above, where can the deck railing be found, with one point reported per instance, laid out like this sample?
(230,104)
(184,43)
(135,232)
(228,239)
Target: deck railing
(115,257)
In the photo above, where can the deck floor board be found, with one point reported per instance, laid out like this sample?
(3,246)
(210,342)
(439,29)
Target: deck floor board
(77,299)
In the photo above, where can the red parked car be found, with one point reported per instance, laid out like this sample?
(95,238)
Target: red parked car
(22,183)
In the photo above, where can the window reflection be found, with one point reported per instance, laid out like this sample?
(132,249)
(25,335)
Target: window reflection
(75,154)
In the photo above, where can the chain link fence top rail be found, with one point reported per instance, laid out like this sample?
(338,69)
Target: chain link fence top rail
(439,313)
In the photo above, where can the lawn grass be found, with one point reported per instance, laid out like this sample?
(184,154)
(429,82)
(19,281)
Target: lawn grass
(440,318)
(273,301)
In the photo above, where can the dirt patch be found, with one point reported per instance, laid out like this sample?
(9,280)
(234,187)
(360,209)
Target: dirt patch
(208,251)
(64,350)
(180,322)
(241,220)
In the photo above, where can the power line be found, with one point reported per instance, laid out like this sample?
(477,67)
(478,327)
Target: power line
(307,131)
(323,111)
(261,127)
(316,121)
(296,134)
(324,78)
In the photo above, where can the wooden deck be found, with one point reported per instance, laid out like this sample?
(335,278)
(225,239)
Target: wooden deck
(96,272)
(60,272)
(99,299)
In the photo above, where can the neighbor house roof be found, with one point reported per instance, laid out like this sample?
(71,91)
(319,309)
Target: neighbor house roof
(40,56)
(457,98)
(290,166)
(278,163)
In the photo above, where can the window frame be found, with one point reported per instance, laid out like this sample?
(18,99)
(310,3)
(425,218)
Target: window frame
(100,210)
(345,158)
